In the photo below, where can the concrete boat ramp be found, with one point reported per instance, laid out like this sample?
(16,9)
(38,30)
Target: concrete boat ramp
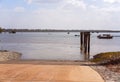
(26,72)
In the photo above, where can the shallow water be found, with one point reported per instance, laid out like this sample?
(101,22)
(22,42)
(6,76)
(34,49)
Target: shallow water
(54,46)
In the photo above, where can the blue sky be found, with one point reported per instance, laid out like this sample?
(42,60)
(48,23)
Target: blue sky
(60,14)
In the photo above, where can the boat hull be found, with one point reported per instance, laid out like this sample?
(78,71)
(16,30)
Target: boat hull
(105,37)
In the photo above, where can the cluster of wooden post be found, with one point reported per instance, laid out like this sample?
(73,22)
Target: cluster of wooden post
(85,44)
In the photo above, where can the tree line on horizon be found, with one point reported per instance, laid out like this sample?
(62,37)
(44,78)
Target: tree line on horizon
(35,30)
(52,30)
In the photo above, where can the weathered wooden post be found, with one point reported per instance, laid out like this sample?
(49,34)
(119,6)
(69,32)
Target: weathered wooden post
(88,45)
(85,44)
(81,41)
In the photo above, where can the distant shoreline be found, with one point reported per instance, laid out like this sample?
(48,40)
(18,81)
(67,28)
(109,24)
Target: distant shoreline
(55,30)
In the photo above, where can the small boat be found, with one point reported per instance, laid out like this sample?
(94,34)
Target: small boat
(12,31)
(68,32)
(105,36)
(77,35)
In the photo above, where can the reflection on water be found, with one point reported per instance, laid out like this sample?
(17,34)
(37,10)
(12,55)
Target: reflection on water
(54,46)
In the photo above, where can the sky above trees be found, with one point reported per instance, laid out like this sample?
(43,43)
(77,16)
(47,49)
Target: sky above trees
(60,14)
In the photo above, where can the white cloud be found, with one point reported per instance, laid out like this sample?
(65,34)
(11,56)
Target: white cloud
(19,9)
(43,1)
(29,1)
(111,9)
(94,0)
(47,1)
(58,19)
(65,14)
(78,3)
(112,1)
(93,7)
(107,6)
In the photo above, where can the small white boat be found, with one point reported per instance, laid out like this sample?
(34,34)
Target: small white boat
(105,36)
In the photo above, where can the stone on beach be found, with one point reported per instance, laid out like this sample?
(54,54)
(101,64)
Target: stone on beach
(8,55)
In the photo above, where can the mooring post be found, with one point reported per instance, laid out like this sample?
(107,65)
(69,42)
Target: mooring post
(85,44)
(88,45)
(81,40)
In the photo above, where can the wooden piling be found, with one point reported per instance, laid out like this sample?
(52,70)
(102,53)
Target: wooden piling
(88,45)
(85,44)
(81,40)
